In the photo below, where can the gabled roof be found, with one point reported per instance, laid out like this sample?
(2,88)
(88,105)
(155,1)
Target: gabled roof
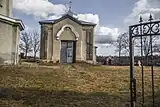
(68,15)
(12,20)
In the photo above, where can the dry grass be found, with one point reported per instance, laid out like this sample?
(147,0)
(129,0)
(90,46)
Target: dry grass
(79,85)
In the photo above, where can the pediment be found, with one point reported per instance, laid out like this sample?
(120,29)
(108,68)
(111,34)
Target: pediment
(69,17)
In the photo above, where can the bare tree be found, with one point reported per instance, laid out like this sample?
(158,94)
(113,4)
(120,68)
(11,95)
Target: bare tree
(146,45)
(157,48)
(26,43)
(35,43)
(122,44)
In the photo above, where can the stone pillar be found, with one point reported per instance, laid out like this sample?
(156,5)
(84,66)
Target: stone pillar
(78,50)
(9,8)
(56,46)
(45,41)
(93,50)
(49,45)
(84,45)
(95,55)
(56,51)
(42,43)
(53,37)
(17,45)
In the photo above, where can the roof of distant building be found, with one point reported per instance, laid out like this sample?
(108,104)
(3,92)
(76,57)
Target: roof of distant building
(69,15)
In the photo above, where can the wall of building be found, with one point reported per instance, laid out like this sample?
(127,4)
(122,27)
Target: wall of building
(6,31)
(6,8)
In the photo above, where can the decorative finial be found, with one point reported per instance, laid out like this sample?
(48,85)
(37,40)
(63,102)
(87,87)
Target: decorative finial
(150,18)
(141,19)
(70,5)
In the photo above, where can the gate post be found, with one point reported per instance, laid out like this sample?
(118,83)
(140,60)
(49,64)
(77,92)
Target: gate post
(132,83)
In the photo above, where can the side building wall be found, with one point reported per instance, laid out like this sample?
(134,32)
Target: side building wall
(6,32)
(9,43)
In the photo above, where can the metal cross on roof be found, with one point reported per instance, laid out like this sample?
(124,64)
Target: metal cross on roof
(70,5)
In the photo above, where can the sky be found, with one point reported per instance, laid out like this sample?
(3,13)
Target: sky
(111,16)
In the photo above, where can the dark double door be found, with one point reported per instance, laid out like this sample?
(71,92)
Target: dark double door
(68,51)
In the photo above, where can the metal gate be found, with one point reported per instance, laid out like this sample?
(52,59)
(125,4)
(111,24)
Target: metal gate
(143,29)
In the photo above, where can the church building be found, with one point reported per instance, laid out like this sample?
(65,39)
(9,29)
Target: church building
(9,33)
(67,40)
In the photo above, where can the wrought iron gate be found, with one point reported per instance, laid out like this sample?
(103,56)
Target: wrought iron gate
(150,28)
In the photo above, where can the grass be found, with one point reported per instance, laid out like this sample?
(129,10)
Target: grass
(79,85)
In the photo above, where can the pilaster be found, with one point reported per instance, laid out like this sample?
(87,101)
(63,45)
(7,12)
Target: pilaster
(49,45)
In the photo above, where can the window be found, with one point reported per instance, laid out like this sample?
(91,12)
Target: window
(89,48)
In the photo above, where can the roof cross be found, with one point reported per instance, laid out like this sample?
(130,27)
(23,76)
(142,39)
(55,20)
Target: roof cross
(70,5)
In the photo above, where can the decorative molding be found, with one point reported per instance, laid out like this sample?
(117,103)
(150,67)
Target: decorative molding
(145,28)
(62,29)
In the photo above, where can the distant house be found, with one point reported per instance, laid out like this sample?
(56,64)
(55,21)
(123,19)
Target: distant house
(67,40)
(9,33)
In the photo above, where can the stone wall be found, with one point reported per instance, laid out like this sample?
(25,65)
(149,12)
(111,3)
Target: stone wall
(9,42)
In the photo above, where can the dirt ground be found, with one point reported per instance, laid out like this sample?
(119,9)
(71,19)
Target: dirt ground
(77,85)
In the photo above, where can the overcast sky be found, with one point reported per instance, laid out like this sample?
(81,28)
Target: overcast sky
(111,16)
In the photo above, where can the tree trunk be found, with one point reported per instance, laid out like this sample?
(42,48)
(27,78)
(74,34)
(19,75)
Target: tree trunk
(146,61)
(120,57)
(35,56)
(26,54)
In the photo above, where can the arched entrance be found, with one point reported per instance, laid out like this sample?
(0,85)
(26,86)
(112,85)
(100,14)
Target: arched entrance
(68,37)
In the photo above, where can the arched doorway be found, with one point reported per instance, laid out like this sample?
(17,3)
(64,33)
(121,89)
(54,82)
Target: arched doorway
(68,37)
